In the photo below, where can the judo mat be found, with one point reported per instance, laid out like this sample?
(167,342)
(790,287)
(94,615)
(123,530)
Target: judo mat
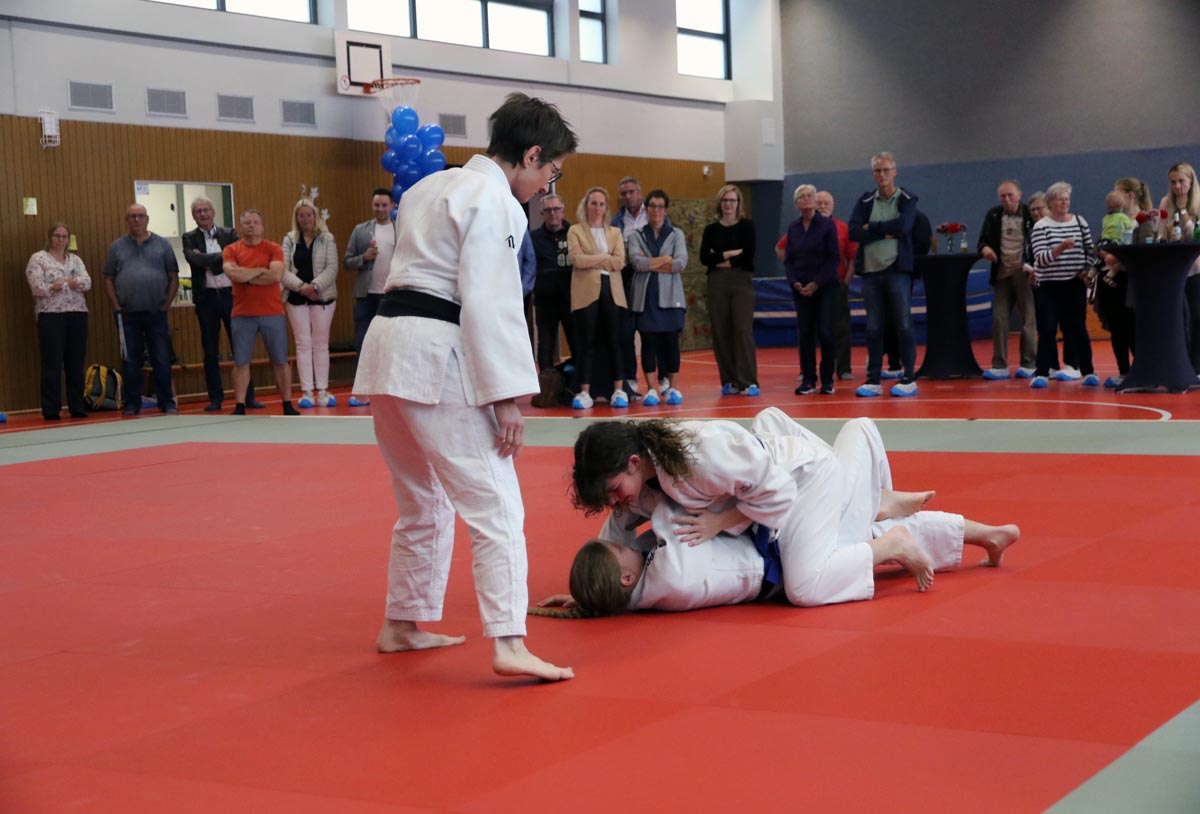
(189,608)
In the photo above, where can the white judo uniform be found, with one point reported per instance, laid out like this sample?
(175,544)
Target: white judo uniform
(431,385)
(821,500)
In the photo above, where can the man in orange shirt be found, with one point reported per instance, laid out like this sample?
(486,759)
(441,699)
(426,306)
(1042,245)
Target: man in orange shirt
(256,266)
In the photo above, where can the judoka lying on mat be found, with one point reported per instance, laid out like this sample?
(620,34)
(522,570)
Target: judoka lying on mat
(823,516)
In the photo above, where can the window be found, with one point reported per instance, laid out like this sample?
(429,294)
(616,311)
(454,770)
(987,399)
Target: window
(592,23)
(524,26)
(392,17)
(302,11)
(703,37)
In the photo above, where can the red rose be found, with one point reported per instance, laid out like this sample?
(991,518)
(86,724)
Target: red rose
(1162,213)
(1142,217)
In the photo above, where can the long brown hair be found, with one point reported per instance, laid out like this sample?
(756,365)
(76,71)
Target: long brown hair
(602,451)
(1139,190)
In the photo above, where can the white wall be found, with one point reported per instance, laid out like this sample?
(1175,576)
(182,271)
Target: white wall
(637,105)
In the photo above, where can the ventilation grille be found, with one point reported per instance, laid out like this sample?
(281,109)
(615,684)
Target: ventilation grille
(166,102)
(91,96)
(454,124)
(235,108)
(304,113)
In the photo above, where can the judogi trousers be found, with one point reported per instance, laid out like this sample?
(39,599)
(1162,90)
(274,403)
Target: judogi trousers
(443,460)
(824,538)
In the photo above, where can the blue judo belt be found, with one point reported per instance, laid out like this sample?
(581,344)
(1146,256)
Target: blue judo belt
(769,549)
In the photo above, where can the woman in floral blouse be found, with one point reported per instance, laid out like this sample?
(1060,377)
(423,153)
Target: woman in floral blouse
(58,281)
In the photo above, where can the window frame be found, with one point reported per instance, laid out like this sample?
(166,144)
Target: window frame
(601,17)
(220,6)
(725,39)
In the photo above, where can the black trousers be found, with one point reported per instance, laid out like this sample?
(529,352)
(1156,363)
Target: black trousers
(213,310)
(626,363)
(598,323)
(1118,317)
(552,307)
(660,351)
(62,340)
(1062,303)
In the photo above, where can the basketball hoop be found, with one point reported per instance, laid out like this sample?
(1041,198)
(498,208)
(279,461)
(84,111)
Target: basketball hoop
(394,91)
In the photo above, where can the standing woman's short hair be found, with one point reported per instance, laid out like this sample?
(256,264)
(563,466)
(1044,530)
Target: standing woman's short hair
(1058,189)
(581,210)
(523,122)
(661,195)
(722,192)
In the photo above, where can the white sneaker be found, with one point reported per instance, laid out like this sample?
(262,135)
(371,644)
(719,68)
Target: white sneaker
(306,401)
(582,401)
(674,396)
(631,389)
(325,400)
(1068,374)
(1026,372)
(619,399)
(664,386)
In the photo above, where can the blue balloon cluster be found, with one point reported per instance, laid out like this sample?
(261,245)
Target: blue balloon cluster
(414,150)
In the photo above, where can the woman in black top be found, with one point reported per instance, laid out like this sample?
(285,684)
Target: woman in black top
(727,249)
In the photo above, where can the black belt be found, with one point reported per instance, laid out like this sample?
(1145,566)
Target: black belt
(405,302)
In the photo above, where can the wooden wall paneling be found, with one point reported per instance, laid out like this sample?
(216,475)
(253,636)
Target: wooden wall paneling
(88,182)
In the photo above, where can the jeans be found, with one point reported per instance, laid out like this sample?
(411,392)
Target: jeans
(889,291)
(144,329)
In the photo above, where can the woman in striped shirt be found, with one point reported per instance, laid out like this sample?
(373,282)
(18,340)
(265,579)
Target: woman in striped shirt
(1062,259)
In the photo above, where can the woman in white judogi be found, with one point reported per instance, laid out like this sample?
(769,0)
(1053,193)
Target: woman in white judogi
(824,502)
(443,365)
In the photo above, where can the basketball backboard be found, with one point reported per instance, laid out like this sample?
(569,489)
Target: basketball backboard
(360,60)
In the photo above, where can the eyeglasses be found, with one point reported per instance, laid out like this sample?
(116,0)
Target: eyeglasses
(558,173)
(656,206)
(548,209)
(136,217)
(882,170)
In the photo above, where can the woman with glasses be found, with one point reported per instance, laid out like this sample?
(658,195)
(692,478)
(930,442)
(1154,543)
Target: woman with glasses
(658,254)
(727,250)
(58,281)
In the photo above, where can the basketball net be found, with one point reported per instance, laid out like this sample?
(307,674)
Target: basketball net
(395,91)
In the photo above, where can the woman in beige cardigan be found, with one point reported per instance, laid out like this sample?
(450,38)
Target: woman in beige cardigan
(310,267)
(597,254)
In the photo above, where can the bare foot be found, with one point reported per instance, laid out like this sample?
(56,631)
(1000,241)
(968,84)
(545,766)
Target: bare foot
(902,504)
(898,545)
(511,658)
(994,540)
(397,636)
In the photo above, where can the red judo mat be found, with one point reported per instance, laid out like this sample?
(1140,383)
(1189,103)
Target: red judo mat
(190,628)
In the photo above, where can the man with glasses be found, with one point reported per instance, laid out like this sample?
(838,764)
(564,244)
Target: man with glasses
(552,291)
(141,276)
(212,295)
(444,362)
(629,218)
(882,224)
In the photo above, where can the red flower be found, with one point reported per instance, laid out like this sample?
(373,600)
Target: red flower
(1142,217)
(1162,213)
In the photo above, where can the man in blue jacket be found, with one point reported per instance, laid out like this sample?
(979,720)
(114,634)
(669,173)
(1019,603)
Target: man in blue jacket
(882,225)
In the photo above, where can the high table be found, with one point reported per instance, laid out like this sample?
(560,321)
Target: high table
(947,343)
(1157,274)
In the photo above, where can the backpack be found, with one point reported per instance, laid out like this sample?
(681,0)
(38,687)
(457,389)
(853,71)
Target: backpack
(102,388)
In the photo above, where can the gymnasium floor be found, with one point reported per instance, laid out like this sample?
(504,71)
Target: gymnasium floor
(189,606)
